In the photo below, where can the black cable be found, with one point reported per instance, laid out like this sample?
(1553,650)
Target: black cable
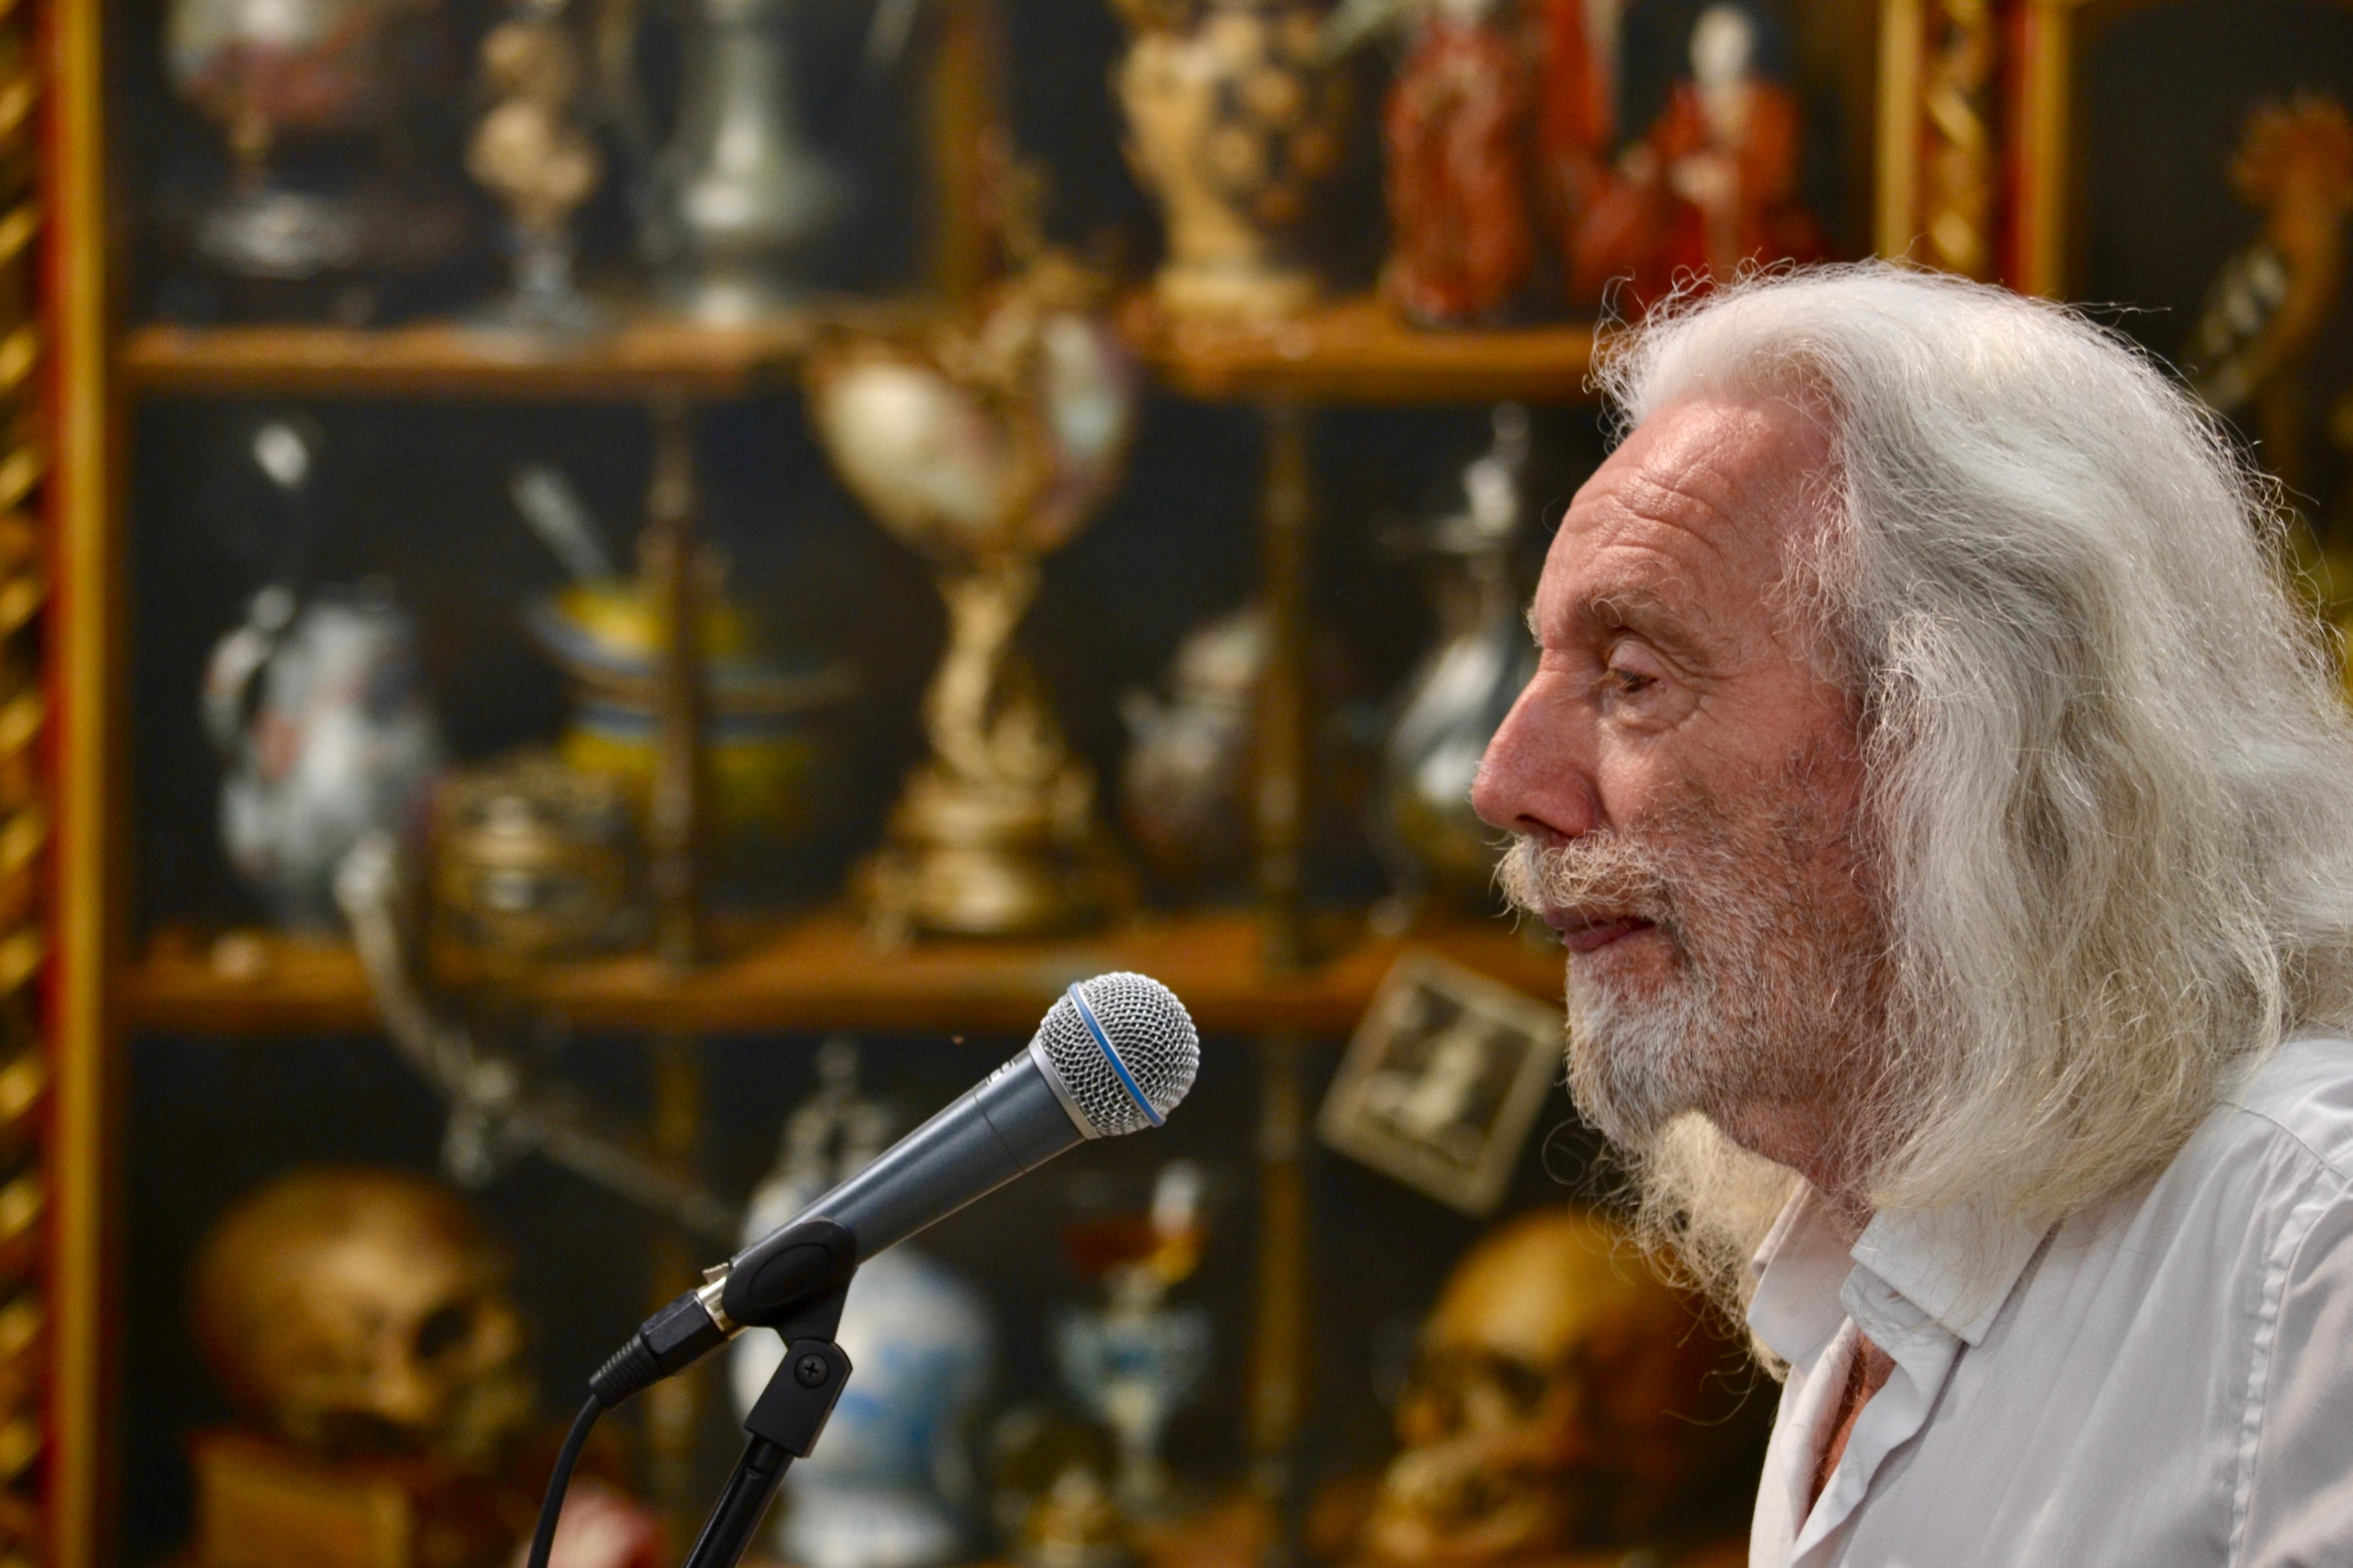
(551,1506)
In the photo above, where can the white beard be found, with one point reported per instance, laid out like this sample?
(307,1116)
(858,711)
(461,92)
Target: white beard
(1769,997)
(1635,1063)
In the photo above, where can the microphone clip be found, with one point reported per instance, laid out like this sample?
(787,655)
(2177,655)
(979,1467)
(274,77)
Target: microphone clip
(792,1281)
(780,1274)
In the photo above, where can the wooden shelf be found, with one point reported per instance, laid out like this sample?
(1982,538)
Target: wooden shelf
(446,359)
(1353,350)
(818,972)
(1357,351)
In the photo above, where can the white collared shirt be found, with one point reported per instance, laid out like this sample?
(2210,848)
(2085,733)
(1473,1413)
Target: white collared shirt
(2164,1381)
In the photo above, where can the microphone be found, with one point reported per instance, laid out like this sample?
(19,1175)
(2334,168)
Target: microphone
(1113,1055)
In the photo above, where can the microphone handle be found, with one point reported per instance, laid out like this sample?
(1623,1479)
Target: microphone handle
(1009,1123)
(1012,1121)
(1015,1120)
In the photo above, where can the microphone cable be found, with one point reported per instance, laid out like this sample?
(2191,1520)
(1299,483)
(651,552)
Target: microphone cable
(559,1482)
(671,1340)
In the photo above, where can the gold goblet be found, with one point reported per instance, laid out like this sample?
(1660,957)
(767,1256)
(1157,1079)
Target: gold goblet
(985,447)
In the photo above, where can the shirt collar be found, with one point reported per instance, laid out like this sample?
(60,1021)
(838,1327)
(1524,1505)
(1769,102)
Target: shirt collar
(1795,1308)
(1956,1266)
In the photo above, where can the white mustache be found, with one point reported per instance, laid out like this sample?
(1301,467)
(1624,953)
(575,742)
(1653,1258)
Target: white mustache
(1603,873)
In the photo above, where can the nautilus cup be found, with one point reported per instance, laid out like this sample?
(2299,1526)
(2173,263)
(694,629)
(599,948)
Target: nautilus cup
(984,447)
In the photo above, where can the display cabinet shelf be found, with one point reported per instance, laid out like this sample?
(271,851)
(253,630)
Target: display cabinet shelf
(1351,352)
(819,972)
(1356,350)
(644,357)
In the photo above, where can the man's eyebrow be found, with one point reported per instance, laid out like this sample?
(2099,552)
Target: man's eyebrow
(1637,606)
(1630,601)
(1634,605)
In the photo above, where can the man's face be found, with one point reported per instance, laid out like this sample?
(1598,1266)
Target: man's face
(1687,792)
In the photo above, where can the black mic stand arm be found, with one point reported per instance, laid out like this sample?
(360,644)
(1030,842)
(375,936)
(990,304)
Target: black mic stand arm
(785,1424)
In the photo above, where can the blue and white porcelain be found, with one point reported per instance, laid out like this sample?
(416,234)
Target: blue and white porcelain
(890,1483)
(319,710)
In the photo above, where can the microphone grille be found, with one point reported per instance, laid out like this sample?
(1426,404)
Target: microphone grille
(1147,1030)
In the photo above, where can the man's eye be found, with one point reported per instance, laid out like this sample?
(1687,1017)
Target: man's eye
(1626,682)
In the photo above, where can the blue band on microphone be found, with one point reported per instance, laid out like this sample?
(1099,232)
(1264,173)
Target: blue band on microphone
(1087,1016)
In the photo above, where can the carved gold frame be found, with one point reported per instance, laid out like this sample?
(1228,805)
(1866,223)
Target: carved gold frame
(80,673)
(1939,171)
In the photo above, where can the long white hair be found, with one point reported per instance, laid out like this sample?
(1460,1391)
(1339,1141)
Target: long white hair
(2108,761)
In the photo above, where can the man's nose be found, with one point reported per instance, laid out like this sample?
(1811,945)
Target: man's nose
(1535,778)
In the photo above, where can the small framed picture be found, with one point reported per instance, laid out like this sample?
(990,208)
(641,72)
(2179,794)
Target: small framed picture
(1444,1080)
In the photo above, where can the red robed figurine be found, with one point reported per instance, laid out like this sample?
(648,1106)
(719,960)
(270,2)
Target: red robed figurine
(1457,129)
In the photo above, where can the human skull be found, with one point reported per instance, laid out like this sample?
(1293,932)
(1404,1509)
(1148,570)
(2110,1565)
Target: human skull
(364,1310)
(1552,1405)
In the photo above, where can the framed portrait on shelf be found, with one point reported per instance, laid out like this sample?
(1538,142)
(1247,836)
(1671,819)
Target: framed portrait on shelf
(2185,168)
(1444,1080)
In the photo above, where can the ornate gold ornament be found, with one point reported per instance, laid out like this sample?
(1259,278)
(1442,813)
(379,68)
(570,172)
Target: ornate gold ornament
(1236,113)
(983,447)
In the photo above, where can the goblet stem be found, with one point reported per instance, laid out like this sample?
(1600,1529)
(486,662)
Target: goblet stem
(983,712)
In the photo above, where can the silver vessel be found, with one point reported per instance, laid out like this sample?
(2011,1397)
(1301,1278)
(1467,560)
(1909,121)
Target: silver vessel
(740,198)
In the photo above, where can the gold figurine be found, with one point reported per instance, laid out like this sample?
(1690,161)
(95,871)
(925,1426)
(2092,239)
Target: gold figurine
(531,154)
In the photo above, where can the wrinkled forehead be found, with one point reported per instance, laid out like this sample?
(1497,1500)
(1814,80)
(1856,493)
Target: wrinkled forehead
(1696,511)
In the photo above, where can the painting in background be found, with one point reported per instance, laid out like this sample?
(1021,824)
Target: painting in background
(2216,158)
(1546,157)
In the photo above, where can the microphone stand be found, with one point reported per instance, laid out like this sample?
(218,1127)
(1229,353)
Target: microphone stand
(785,1424)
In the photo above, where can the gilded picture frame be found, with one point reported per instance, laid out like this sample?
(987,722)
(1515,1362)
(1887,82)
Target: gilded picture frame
(1442,1081)
(1936,157)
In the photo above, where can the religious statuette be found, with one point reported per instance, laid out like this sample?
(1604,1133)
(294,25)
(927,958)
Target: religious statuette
(984,447)
(1577,76)
(741,197)
(888,1486)
(1234,114)
(1456,700)
(529,153)
(1462,243)
(1562,1400)
(1710,187)
(319,714)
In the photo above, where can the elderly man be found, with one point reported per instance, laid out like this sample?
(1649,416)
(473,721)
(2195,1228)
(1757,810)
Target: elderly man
(1950,822)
